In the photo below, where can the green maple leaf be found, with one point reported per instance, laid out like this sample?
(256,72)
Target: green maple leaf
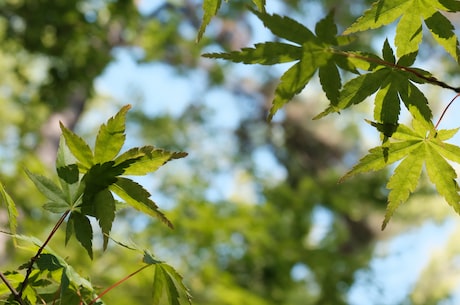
(167,283)
(312,52)
(102,174)
(393,86)
(210,8)
(139,198)
(80,225)
(409,29)
(415,147)
(111,137)
(11,208)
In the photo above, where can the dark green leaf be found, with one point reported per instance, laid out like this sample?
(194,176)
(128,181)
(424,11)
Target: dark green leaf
(286,28)
(268,53)
(329,77)
(387,52)
(443,32)
(326,29)
(387,104)
(98,178)
(83,231)
(407,60)
(359,88)
(48,261)
(297,77)
(105,213)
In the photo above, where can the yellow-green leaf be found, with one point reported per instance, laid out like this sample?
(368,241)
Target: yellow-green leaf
(404,181)
(111,137)
(78,147)
(11,209)
(137,197)
(210,8)
(146,159)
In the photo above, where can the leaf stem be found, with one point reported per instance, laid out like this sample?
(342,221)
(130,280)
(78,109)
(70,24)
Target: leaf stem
(40,250)
(445,110)
(15,293)
(117,283)
(429,79)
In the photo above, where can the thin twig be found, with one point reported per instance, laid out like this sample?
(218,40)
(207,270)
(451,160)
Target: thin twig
(117,283)
(445,110)
(15,293)
(429,79)
(40,250)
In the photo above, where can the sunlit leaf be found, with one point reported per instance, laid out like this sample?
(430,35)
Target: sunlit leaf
(137,197)
(409,29)
(168,287)
(11,208)
(111,137)
(210,8)
(393,86)
(146,159)
(415,147)
(78,147)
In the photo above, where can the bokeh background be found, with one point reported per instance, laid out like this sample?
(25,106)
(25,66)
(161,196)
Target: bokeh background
(259,217)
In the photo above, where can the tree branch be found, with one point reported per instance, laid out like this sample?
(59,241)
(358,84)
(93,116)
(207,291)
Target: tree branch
(16,294)
(429,79)
(40,250)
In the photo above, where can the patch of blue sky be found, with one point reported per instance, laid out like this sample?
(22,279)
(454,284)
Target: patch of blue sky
(397,265)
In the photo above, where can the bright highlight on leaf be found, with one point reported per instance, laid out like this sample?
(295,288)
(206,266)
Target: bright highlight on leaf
(409,29)
(417,146)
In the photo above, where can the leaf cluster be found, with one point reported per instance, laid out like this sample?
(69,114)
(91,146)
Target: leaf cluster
(88,182)
(390,78)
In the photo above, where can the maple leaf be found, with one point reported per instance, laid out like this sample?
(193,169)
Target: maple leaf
(102,171)
(210,8)
(312,52)
(409,28)
(417,146)
(392,86)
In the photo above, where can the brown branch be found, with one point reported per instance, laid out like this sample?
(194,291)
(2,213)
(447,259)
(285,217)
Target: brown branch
(118,283)
(429,79)
(16,294)
(40,250)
